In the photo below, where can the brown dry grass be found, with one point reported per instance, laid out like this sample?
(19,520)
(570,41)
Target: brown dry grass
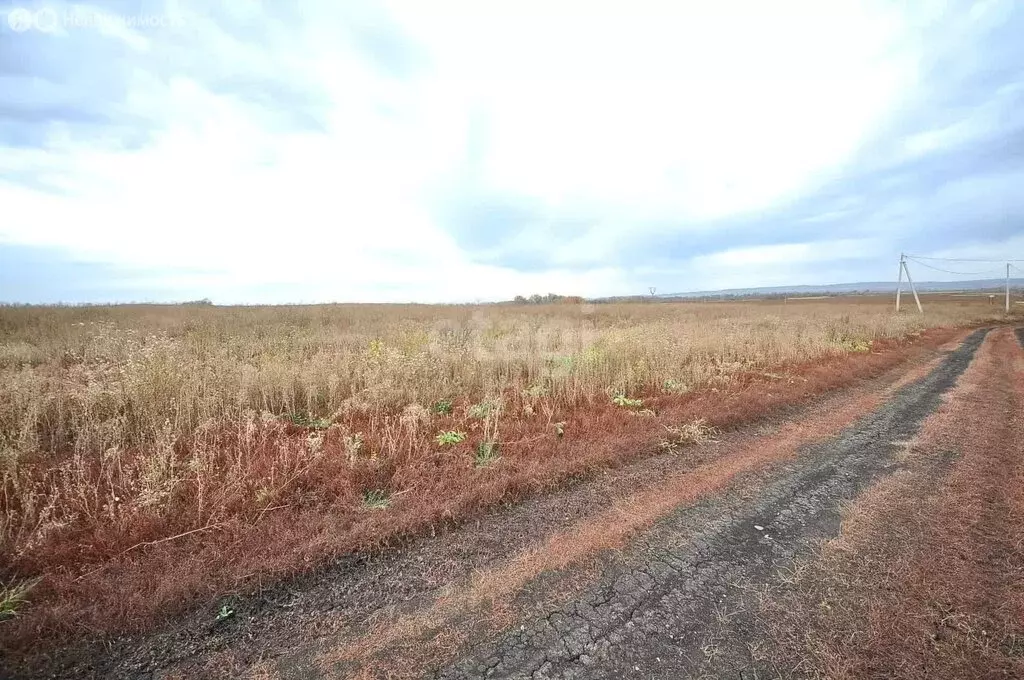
(148,452)
(926,579)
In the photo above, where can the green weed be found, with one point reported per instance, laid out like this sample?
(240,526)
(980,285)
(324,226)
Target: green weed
(13,596)
(450,437)
(376,499)
(486,453)
(625,402)
(442,407)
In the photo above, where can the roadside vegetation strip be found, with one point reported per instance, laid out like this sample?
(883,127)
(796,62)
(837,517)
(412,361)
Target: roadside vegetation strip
(927,575)
(489,601)
(330,516)
(480,547)
(415,492)
(466,609)
(674,604)
(337,595)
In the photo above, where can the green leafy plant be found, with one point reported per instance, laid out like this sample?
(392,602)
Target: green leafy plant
(442,407)
(625,402)
(376,499)
(450,437)
(224,613)
(13,595)
(486,452)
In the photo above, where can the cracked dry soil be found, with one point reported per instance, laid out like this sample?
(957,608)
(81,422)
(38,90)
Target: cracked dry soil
(677,600)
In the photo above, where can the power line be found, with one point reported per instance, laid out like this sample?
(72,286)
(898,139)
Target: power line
(948,271)
(904,269)
(957,259)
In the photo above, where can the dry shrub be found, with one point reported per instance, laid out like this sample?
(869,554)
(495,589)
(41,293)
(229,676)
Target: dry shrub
(698,432)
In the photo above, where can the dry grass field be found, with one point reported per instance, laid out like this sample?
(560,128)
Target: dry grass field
(153,455)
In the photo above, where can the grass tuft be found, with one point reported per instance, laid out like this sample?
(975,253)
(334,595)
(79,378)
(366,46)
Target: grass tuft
(14,595)
(376,499)
(486,453)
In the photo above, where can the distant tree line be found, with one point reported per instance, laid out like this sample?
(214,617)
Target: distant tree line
(550,298)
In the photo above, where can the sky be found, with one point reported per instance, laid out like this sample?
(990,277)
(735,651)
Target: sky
(255,151)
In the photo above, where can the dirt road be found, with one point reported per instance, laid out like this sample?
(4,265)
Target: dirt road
(876,533)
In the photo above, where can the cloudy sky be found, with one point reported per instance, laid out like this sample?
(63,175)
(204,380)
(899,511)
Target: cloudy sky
(264,151)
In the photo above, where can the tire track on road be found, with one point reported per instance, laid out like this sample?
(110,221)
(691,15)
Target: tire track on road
(651,611)
(927,575)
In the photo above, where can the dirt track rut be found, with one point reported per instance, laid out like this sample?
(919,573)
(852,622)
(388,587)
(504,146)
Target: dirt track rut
(678,602)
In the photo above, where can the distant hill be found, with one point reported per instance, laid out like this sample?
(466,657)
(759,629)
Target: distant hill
(862,287)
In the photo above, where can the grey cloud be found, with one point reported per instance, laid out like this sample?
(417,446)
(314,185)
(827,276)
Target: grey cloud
(48,275)
(385,46)
(247,54)
(79,81)
(284,102)
(44,275)
(102,89)
(484,222)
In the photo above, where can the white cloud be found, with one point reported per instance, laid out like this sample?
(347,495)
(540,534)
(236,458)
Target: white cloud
(639,117)
(737,104)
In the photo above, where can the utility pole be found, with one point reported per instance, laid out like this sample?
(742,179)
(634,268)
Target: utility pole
(906,270)
(1007,287)
(899,283)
